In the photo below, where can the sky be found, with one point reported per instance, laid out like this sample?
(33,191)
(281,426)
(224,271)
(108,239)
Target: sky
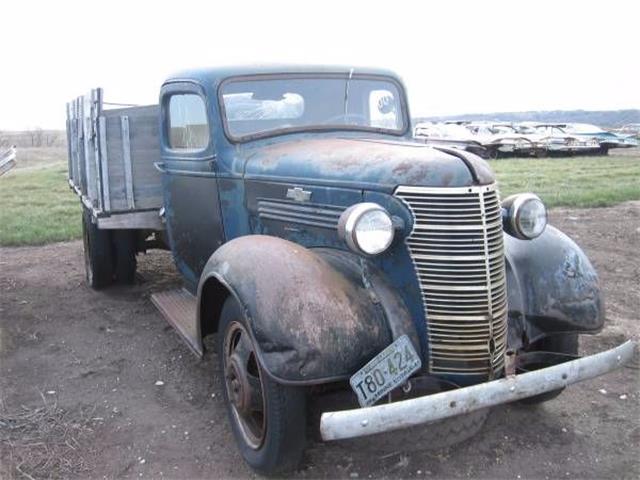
(454,56)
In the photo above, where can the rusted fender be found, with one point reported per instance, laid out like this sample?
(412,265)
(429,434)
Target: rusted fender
(552,286)
(315,315)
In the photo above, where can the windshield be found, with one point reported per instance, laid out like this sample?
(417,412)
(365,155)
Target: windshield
(583,128)
(503,129)
(550,130)
(269,105)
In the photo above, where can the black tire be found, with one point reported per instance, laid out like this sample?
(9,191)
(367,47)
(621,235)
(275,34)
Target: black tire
(541,153)
(282,440)
(451,431)
(563,343)
(124,257)
(492,153)
(432,436)
(98,253)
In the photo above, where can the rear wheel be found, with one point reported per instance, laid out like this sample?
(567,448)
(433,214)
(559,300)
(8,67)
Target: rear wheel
(124,258)
(564,344)
(98,253)
(268,419)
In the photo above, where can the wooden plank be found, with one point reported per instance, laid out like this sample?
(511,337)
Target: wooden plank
(88,150)
(137,220)
(69,149)
(104,159)
(140,111)
(117,191)
(81,142)
(145,151)
(78,145)
(126,157)
(96,102)
(74,146)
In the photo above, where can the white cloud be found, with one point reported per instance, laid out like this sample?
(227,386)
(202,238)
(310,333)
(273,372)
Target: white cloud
(454,56)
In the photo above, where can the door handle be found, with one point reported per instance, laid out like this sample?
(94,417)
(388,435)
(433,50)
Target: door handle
(161,167)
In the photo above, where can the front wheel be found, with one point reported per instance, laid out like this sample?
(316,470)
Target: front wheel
(566,344)
(268,419)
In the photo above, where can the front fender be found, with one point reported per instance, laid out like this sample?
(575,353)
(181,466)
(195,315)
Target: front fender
(315,315)
(552,286)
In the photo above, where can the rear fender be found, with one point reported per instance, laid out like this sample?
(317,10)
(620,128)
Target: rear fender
(316,315)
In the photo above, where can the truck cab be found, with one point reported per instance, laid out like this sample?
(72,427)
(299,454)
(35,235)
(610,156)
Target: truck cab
(324,248)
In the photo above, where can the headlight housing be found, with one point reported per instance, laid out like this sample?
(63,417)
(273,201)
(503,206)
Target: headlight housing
(526,216)
(367,228)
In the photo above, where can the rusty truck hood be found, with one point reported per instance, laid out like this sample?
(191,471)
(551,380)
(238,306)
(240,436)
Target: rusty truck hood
(377,164)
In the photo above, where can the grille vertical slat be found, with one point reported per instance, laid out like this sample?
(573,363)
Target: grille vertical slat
(458,252)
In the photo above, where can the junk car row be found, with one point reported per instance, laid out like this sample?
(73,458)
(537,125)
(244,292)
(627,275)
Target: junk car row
(499,139)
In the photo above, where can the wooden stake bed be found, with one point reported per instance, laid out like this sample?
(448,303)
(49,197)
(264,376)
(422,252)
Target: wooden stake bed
(112,157)
(179,308)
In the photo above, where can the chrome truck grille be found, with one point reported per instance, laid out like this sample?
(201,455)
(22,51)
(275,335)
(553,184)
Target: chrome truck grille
(458,252)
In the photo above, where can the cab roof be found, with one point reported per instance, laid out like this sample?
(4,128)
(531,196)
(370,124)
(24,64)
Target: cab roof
(217,74)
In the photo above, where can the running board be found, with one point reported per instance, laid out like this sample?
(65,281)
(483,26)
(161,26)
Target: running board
(179,308)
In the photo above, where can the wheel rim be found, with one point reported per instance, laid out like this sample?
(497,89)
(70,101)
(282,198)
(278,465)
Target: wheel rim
(244,386)
(87,257)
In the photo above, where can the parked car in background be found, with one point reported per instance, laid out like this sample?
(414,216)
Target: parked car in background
(607,140)
(502,139)
(630,129)
(449,135)
(553,139)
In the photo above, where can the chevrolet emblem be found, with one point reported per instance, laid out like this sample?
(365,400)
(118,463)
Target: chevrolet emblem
(297,194)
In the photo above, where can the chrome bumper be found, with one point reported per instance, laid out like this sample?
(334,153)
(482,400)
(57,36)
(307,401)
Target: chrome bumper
(416,411)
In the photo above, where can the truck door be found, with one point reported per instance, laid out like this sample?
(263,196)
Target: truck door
(190,187)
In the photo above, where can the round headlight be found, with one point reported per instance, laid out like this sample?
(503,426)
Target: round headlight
(367,228)
(527,216)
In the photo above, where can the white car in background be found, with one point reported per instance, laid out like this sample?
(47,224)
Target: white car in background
(502,139)
(451,135)
(606,140)
(629,129)
(553,139)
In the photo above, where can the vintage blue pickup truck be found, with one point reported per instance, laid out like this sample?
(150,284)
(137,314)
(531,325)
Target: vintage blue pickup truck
(327,250)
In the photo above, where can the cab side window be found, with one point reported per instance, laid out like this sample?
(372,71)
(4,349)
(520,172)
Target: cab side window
(188,127)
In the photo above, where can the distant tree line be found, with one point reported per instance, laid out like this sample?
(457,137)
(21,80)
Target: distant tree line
(35,137)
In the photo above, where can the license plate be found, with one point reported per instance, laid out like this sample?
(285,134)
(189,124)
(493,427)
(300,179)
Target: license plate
(390,368)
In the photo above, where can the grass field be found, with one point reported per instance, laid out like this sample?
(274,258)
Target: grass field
(573,181)
(37,206)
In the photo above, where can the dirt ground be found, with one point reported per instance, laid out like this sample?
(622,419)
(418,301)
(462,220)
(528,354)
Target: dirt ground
(88,364)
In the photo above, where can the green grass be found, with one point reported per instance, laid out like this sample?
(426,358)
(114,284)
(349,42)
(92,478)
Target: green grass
(37,206)
(572,182)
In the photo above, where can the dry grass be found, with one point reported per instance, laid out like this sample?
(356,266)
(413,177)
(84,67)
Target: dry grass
(46,442)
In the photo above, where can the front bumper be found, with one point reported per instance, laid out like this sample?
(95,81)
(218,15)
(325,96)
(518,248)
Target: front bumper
(416,411)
